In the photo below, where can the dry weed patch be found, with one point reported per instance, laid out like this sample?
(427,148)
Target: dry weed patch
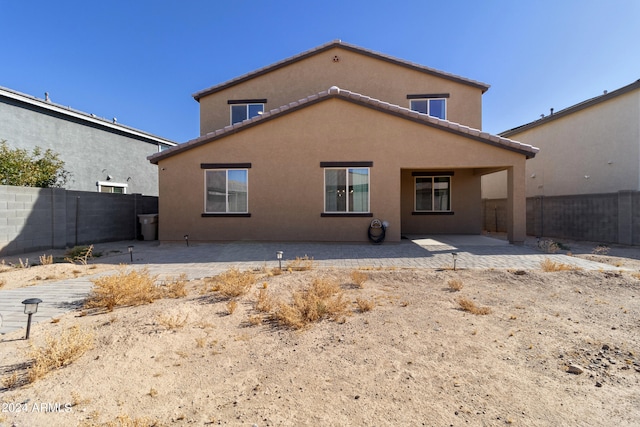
(455,285)
(322,299)
(358,278)
(365,304)
(59,352)
(231,306)
(471,307)
(549,266)
(46,259)
(264,302)
(233,283)
(126,288)
(300,264)
(173,322)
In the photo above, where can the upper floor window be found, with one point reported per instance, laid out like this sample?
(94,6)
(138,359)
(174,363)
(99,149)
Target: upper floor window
(432,104)
(111,187)
(244,109)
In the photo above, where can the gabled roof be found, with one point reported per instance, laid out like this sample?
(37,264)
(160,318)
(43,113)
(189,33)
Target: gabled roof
(338,43)
(574,108)
(48,107)
(356,98)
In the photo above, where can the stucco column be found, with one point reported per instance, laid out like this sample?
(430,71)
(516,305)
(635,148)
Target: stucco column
(516,204)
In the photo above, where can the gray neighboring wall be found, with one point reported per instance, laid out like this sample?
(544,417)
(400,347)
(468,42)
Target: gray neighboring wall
(92,148)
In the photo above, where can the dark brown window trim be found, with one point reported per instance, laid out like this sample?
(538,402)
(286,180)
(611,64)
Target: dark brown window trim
(346,214)
(226,215)
(428,96)
(225,165)
(432,173)
(346,164)
(432,213)
(246,101)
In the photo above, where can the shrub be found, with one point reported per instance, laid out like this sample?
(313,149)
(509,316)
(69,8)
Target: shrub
(455,285)
(123,289)
(233,283)
(358,278)
(231,306)
(365,305)
(264,302)
(68,347)
(300,264)
(46,259)
(322,299)
(549,266)
(471,307)
(173,322)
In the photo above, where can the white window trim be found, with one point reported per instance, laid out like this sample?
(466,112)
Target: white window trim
(246,106)
(415,199)
(429,107)
(226,190)
(101,184)
(324,190)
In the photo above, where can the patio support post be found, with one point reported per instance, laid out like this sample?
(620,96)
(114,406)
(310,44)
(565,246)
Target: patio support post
(516,204)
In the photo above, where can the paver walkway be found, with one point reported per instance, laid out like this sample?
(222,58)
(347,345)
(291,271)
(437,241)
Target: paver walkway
(205,260)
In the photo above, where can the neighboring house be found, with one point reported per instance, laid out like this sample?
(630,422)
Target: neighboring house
(317,146)
(101,155)
(579,185)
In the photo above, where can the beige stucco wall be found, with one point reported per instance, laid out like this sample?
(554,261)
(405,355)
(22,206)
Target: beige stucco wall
(286,182)
(601,142)
(355,72)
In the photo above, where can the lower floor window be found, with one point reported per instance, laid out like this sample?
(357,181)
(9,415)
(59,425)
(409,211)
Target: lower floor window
(433,193)
(346,190)
(226,191)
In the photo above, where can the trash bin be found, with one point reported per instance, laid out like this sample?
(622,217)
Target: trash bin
(149,223)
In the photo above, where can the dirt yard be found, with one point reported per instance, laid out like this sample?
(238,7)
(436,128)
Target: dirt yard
(415,359)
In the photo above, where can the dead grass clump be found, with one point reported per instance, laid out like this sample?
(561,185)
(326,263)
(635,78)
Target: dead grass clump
(233,283)
(322,299)
(601,250)
(11,381)
(264,302)
(365,304)
(455,285)
(59,352)
(173,322)
(471,307)
(549,266)
(46,259)
(300,264)
(231,306)
(126,288)
(358,278)
(175,288)
(548,246)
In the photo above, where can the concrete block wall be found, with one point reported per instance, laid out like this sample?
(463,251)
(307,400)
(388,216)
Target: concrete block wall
(34,219)
(606,218)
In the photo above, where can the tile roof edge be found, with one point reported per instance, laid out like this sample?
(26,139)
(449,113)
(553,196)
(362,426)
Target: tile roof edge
(336,92)
(326,46)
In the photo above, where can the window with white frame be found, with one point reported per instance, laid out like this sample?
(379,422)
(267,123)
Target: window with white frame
(432,193)
(246,109)
(112,187)
(346,190)
(226,191)
(432,104)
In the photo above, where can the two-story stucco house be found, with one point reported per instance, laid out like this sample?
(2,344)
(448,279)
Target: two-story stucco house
(318,145)
(101,155)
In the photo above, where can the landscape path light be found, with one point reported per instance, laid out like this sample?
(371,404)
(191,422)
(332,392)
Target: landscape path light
(455,257)
(30,308)
(130,248)
(186,239)
(279,256)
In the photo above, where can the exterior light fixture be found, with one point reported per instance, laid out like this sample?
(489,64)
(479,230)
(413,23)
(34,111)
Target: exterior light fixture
(279,257)
(30,308)
(455,258)
(186,239)
(130,248)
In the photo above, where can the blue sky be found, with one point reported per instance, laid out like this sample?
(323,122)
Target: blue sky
(141,61)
